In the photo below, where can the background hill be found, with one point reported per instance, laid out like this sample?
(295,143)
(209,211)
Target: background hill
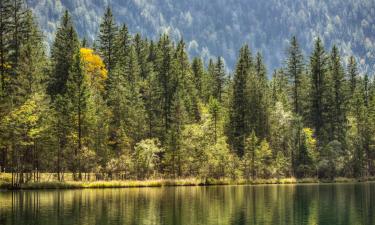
(220,27)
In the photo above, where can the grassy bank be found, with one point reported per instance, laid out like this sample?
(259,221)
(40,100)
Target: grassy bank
(5,182)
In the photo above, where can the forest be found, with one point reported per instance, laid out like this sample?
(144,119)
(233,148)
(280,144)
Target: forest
(127,107)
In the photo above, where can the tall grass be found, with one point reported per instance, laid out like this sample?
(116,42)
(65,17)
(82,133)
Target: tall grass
(5,180)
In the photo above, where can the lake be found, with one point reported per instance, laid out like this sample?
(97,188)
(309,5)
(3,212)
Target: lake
(266,204)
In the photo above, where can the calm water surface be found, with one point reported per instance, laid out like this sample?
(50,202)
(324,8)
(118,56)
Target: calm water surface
(274,204)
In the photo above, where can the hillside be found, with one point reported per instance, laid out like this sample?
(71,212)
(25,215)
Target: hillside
(265,25)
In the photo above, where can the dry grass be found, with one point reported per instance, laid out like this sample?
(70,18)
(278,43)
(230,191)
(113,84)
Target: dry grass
(49,182)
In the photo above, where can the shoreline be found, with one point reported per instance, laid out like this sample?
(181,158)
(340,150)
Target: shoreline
(54,185)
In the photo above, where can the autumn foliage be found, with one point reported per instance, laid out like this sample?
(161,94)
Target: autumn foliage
(94,67)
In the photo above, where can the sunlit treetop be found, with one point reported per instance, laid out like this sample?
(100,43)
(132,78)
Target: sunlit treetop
(94,67)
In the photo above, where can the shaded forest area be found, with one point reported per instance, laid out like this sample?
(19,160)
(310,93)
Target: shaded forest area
(132,108)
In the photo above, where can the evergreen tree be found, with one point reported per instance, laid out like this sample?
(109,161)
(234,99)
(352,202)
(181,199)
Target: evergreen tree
(198,73)
(17,25)
(32,61)
(294,71)
(4,43)
(77,94)
(164,76)
(337,106)
(122,45)
(208,83)
(260,99)
(239,110)
(62,54)
(151,90)
(360,128)
(107,40)
(219,79)
(134,112)
(318,70)
(64,48)
(141,49)
(249,158)
(352,72)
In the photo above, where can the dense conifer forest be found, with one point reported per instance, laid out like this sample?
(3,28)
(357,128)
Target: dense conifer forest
(127,107)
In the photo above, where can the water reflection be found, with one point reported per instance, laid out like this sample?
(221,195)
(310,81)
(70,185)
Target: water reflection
(282,204)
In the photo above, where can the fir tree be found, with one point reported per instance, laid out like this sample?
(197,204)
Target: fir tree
(337,105)
(219,79)
(352,72)
(239,109)
(62,53)
(107,40)
(198,73)
(4,43)
(318,67)
(294,71)
(77,93)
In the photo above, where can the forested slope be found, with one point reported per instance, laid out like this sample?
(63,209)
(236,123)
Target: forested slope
(131,107)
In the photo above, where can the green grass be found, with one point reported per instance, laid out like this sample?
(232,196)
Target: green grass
(5,180)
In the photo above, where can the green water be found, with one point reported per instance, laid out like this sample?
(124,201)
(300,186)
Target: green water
(273,204)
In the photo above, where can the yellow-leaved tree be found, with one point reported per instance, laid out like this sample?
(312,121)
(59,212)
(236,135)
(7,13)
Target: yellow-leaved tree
(94,68)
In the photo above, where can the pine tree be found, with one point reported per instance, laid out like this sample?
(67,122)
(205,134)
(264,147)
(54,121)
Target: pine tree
(338,98)
(294,71)
(18,25)
(32,61)
(77,93)
(260,99)
(164,76)
(352,72)
(151,90)
(62,53)
(318,70)
(249,158)
(186,81)
(141,49)
(239,109)
(64,48)
(198,73)
(208,81)
(219,79)
(117,139)
(359,141)
(122,45)
(214,109)
(134,113)
(4,44)
(107,40)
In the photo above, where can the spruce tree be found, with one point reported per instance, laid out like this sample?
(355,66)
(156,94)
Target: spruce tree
(77,93)
(17,25)
(337,104)
(352,72)
(62,55)
(164,76)
(107,40)
(122,45)
(261,99)
(134,114)
(198,73)
(5,37)
(219,79)
(33,61)
(294,69)
(208,81)
(239,109)
(64,48)
(151,90)
(141,48)
(318,71)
